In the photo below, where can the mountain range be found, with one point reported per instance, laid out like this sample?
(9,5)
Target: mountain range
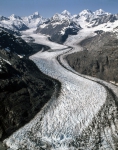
(35,20)
(60,25)
(17,23)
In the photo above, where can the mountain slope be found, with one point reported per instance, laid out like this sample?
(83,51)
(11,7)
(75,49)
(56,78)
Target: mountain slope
(34,20)
(17,23)
(13,44)
(23,88)
(14,23)
(99,58)
(59,27)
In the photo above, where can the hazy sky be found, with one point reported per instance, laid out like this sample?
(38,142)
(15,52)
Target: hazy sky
(47,8)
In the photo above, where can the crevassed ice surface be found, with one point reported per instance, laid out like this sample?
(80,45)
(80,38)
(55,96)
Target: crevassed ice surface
(62,119)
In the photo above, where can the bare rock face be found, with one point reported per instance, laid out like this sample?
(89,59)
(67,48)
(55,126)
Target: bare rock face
(99,58)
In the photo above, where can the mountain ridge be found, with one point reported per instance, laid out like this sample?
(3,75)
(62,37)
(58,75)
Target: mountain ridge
(61,25)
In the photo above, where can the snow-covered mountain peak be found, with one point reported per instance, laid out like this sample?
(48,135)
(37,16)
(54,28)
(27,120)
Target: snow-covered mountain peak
(35,15)
(100,12)
(86,13)
(66,13)
(56,16)
(59,17)
(34,20)
(64,16)
(14,17)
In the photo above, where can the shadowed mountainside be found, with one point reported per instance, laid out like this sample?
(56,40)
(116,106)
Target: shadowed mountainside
(23,88)
(99,57)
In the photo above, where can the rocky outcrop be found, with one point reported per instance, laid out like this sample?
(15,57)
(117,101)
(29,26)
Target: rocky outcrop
(102,19)
(13,44)
(99,58)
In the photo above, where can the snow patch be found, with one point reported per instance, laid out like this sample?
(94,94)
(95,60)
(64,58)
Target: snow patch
(7,49)
(6,61)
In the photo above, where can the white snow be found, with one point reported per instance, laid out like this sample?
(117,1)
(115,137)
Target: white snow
(56,23)
(100,12)
(7,49)
(0,67)
(5,60)
(34,20)
(86,13)
(41,39)
(63,30)
(12,24)
(14,17)
(66,13)
(14,21)
(36,13)
(43,25)
(61,17)
(21,56)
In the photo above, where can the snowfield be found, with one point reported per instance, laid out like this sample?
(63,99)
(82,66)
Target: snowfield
(67,118)
(41,39)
